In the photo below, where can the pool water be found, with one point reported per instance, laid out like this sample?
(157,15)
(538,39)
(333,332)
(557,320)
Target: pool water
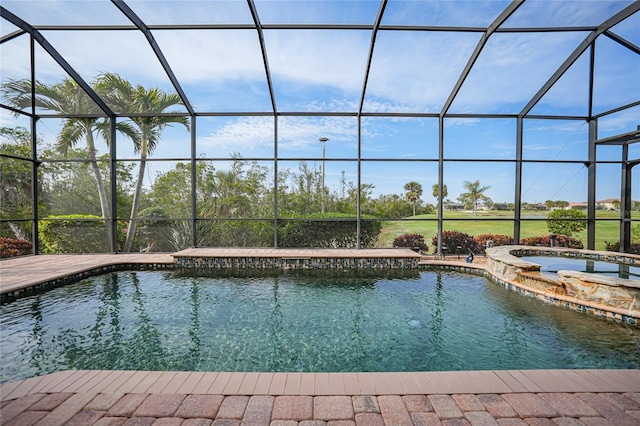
(427,321)
(555,264)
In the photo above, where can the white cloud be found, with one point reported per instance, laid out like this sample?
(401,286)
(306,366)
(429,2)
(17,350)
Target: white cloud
(333,58)
(417,69)
(250,134)
(511,69)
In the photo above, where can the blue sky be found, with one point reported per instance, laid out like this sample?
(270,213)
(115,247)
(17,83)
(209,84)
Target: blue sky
(323,71)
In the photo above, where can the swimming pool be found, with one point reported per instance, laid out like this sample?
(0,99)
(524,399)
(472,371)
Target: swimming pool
(300,321)
(557,263)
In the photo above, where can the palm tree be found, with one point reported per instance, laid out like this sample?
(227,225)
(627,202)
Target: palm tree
(127,98)
(436,187)
(413,193)
(69,99)
(474,194)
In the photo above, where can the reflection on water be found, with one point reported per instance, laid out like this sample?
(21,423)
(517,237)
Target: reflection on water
(301,321)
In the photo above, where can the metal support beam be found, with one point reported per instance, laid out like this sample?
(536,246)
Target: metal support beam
(263,49)
(517,222)
(34,154)
(133,17)
(625,202)
(617,18)
(113,228)
(359,194)
(440,183)
(513,6)
(591,186)
(35,34)
(275,181)
(623,41)
(592,73)
(194,177)
(11,36)
(374,34)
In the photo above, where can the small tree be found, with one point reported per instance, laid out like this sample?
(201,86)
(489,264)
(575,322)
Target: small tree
(436,191)
(566,222)
(413,193)
(473,195)
(413,241)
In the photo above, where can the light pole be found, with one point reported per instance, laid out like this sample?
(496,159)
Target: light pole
(323,140)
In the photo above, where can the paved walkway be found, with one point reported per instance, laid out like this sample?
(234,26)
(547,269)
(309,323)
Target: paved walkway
(530,397)
(26,271)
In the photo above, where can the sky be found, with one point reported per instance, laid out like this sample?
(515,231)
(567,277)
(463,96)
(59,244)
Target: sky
(323,70)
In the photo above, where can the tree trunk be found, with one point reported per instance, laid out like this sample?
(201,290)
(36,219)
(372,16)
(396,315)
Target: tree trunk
(131,230)
(104,203)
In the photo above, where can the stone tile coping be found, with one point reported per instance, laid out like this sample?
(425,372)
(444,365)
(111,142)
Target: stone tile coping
(23,272)
(316,384)
(29,272)
(301,253)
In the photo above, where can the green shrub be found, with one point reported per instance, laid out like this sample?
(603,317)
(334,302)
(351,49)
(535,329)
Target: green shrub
(10,247)
(498,240)
(153,231)
(232,233)
(413,241)
(457,243)
(566,222)
(328,230)
(633,249)
(75,233)
(545,240)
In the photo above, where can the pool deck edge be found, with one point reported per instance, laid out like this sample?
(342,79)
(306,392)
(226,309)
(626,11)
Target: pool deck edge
(326,384)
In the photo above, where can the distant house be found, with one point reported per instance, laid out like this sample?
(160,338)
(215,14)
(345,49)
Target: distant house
(501,206)
(454,206)
(540,206)
(577,206)
(609,203)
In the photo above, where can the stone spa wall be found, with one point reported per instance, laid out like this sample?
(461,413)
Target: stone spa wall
(615,298)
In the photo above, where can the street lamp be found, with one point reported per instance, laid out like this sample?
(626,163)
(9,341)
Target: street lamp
(323,141)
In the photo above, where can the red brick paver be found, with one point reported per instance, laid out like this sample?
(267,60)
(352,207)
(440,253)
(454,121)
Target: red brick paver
(293,408)
(233,407)
(365,404)
(258,412)
(99,398)
(200,406)
(127,405)
(445,407)
(394,411)
(516,409)
(369,419)
(417,403)
(332,408)
(530,405)
(15,407)
(497,406)
(159,405)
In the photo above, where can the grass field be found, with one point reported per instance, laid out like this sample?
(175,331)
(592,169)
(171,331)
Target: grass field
(533,224)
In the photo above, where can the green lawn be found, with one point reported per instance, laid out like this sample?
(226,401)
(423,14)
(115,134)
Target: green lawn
(464,222)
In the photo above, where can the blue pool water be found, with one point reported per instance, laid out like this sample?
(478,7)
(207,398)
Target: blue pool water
(557,263)
(424,321)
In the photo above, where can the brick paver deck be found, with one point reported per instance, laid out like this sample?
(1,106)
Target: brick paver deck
(519,397)
(572,397)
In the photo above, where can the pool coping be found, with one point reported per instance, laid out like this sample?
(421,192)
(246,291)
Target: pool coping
(318,384)
(26,275)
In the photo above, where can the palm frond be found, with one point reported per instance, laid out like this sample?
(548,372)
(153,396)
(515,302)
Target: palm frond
(72,132)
